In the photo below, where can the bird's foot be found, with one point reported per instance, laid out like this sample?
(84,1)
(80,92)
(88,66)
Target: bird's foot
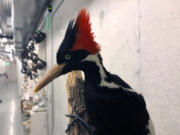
(80,121)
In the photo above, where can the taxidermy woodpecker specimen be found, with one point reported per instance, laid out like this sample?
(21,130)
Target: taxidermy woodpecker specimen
(113,107)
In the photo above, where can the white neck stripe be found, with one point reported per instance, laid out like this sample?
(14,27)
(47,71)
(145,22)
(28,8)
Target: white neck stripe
(94,58)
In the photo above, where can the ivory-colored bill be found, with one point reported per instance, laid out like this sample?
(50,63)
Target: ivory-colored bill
(49,76)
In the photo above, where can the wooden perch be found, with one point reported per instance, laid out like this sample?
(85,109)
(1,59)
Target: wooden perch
(76,105)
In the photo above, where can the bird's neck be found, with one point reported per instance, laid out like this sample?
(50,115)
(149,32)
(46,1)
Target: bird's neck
(96,73)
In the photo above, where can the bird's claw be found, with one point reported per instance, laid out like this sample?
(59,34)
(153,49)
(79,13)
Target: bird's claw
(71,123)
(79,120)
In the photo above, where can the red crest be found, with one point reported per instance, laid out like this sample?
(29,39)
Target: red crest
(84,36)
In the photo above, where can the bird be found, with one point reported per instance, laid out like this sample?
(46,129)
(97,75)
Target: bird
(114,108)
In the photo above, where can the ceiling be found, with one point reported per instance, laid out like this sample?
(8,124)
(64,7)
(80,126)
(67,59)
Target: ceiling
(6,29)
(27,14)
(5,17)
(18,20)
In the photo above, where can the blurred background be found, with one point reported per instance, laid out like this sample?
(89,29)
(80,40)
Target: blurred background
(139,41)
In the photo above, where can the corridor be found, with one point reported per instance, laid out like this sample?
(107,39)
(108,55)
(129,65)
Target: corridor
(10,115)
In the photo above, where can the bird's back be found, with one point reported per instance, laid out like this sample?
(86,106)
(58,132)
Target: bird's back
(116,111)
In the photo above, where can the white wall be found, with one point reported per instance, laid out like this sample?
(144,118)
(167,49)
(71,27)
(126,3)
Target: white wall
(140,42)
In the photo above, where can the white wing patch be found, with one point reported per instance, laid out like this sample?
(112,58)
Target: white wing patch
(94,58)
(151,128)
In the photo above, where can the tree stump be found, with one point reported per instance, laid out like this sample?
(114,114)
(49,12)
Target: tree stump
(76,105)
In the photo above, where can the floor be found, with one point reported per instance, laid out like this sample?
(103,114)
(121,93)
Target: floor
(10,114)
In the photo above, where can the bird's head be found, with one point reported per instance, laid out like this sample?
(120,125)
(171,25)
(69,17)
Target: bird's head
(77,44)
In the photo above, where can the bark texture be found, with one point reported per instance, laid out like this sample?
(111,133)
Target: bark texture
(76,105)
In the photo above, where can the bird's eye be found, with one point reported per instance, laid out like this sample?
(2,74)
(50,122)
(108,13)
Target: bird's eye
(67,56)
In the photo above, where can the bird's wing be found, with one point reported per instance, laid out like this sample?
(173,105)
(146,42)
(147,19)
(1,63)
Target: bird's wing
(122,109)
